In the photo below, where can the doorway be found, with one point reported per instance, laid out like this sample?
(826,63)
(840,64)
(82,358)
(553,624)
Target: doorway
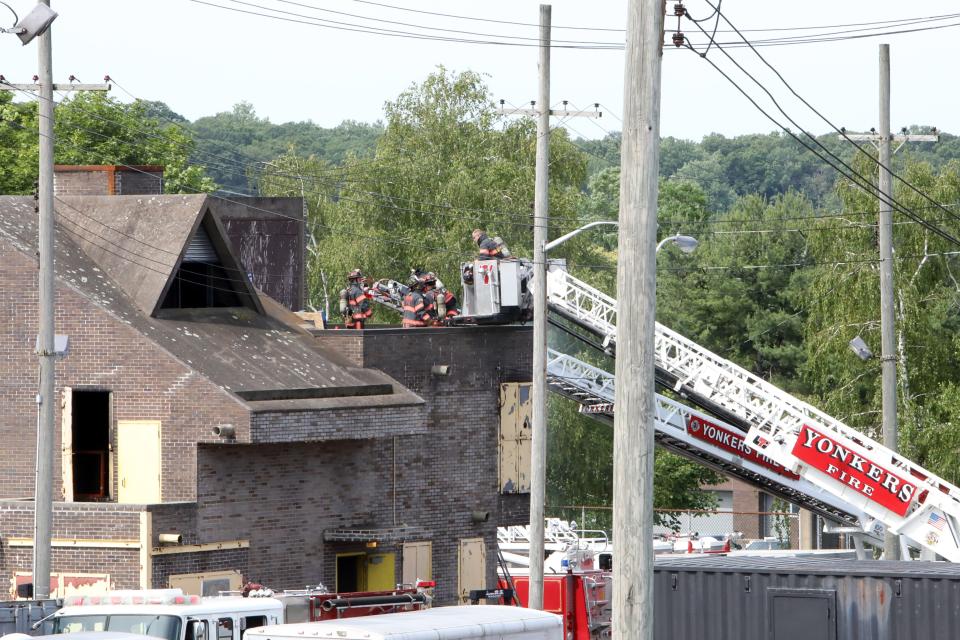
(90,444)
(358,572)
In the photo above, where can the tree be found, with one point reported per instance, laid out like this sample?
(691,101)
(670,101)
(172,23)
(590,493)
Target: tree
(92,128)
(843,301)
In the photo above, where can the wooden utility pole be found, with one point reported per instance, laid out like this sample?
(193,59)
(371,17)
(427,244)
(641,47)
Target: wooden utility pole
(46,338)
(888,357)
(541,218)
(636,308)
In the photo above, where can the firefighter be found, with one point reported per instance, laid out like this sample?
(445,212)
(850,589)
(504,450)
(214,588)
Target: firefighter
(489,247)
(413,304)
(447,306)
(354,301)
(434,302)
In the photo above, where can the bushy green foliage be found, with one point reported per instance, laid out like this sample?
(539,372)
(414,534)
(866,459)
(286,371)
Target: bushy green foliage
(230,142)
(93,128)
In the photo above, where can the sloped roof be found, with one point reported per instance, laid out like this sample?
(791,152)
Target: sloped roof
(238,349)
(140,240)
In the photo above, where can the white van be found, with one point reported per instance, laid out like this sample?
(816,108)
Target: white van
(446,623)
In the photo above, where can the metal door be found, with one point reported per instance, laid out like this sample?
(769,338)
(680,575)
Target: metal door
(381,572)
(138,461)
(802,614)
(473,567)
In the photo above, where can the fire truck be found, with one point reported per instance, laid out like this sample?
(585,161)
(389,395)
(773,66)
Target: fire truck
(173,615)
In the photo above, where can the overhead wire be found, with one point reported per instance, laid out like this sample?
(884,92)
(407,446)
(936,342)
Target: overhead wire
(854,176)
(839,130)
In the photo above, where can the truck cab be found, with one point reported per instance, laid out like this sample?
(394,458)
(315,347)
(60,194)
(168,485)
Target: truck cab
(167,614)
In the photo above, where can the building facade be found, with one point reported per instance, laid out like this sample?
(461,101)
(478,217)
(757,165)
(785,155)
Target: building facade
(205,439)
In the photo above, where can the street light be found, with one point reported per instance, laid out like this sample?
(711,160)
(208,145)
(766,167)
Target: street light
(687,244)
(33,24)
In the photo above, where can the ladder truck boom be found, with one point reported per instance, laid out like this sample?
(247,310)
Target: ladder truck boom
(706,440)
(910,500)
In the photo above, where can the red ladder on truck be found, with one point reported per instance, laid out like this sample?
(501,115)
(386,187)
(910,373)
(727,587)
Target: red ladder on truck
(911,501)
(703,439)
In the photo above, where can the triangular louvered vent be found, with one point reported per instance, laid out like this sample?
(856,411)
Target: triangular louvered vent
(201,249)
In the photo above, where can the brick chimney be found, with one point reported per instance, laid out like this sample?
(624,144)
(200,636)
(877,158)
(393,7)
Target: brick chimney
(107,180)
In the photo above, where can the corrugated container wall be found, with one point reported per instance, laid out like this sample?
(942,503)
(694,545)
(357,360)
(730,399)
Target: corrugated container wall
(752,598)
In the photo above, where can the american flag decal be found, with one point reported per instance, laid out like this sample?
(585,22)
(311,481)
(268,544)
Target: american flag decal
(937,521)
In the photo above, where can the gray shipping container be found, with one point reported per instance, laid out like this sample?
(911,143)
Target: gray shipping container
(17,616)
(755,598)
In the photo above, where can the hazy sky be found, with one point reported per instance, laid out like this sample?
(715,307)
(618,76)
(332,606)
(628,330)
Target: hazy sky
(200,59)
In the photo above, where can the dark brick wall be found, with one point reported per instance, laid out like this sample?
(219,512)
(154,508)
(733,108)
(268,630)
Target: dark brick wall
(452,470)
(172,564)
(340,424)
(83,521)
(129,182)
(96,180)
(104,354)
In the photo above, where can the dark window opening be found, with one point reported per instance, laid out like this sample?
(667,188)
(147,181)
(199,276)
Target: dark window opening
(349,573)
(199,285)
(90,431)
(252,622)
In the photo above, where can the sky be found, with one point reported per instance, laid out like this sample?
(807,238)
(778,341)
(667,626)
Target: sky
(201,59)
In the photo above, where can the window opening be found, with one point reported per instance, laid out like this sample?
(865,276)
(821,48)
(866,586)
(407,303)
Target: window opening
(90,430)
(225,629)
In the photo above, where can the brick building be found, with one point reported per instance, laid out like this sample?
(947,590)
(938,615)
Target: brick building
(204,438)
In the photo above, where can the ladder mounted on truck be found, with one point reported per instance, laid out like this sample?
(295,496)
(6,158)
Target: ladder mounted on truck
(884,486)
(705,440)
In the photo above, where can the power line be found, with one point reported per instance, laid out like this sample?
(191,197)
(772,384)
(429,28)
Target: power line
(861,181)
(833,126)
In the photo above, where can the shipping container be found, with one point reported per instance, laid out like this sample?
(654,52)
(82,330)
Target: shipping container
(747,598)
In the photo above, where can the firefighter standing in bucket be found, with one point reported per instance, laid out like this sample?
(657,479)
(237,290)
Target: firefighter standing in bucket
(354,301)
(414,304)
(490,247)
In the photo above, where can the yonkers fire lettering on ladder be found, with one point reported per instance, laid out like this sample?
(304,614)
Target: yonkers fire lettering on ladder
(734,443)
(843,464)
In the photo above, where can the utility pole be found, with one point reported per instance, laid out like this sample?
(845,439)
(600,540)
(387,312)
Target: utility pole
(636,309)
(43,500)
(46,338)
(541,216)
(888,358)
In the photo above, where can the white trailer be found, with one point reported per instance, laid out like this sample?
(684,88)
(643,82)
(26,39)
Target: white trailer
(447,623)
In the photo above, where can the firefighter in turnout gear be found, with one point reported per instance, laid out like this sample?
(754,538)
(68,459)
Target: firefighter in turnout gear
(490,247)
(354,301)
(440,303)
(414,305)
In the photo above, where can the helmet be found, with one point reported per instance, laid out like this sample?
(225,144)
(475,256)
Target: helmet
(429,279)
(356,274)
(414,281)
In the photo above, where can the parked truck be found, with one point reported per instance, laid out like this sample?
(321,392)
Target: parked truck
(171,614)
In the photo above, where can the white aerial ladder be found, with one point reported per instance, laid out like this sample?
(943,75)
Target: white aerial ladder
(873,480)
(708,441)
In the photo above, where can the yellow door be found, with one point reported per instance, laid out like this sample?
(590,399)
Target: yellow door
(381,572)
(138,461)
